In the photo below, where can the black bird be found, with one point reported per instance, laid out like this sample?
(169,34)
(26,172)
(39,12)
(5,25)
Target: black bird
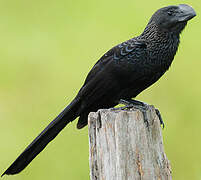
(122,73)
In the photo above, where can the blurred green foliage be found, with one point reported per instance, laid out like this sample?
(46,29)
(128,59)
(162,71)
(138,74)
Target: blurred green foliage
(46,51)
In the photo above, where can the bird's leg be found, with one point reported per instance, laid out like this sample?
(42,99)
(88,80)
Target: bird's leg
(135,102)
(124,102)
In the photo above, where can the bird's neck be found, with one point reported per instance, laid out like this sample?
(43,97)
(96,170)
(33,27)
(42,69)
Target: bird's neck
(162,45)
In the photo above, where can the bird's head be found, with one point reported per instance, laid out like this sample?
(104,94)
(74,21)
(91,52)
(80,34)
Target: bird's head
(173,18)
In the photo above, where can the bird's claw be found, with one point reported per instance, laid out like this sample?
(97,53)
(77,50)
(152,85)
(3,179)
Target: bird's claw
(160,118)
(143,107)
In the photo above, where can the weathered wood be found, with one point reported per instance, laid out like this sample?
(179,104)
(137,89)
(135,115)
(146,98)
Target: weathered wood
(123,147)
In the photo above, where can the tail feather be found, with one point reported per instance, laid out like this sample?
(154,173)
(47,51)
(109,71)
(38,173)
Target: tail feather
(47,135)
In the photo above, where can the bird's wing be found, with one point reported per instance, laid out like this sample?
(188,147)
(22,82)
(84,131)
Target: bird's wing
(103,81)
(130,49)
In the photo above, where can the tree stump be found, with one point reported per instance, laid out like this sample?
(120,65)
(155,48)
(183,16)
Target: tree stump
(123,147)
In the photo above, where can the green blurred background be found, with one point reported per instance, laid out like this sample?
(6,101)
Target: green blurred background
(46,50)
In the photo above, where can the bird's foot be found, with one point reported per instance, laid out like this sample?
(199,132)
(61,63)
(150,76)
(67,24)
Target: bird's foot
(160,118)
(143,107)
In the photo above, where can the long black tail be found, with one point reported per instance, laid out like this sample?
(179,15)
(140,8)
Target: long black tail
(47,135)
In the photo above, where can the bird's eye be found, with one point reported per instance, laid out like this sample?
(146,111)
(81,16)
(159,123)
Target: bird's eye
(170,13)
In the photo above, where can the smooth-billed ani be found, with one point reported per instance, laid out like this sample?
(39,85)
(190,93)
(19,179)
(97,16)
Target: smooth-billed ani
(122,73)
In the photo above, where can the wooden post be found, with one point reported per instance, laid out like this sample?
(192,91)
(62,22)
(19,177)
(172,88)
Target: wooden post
(123,147)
